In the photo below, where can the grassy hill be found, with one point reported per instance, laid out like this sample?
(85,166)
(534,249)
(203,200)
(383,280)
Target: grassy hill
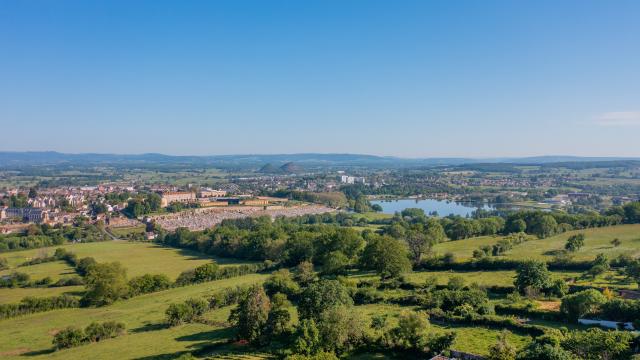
(598,240)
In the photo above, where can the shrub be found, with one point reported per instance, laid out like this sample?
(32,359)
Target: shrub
(281,281)
(582,303)
(148,283)
(30,305)
(97,332)
(68,338)
(189,311)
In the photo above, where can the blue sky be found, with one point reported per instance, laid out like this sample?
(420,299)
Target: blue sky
(406,78)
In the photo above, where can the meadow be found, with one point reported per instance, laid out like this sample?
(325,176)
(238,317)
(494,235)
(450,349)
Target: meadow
(142,315)
(138,258)
(598,240)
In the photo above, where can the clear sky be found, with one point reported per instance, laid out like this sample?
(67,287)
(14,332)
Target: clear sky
(407,78)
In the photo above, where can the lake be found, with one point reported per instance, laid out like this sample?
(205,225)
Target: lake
(442,207)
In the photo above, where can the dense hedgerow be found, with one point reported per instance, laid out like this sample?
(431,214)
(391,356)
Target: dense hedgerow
(30,305)
(72,336)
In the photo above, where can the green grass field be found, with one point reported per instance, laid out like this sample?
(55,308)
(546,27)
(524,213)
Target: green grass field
(55,270)
(473,339)
(138,258)
(143,316)
(597,241)
(9,296)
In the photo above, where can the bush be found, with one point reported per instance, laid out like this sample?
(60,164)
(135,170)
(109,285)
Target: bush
(110,329)
(30,305)
(582,303)
(68,338)
(72,336)
(69,281)
(148,283)
(186,312)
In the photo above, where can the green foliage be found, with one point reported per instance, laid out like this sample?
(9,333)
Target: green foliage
(187,312)
(307,338)
(148,283)
(502,349)
(281,281)
(575,242)
(251,314)
(532,274)
(341,328)
(596,344)
(575,306)
(4,264)
(30,305)
(387,256)
(72,336)
(632,271)
(412,335)
(68,338)
(105,283)
(97,332)
(320,296)
(304,273)
(455,282)
(335,263)
(318,356)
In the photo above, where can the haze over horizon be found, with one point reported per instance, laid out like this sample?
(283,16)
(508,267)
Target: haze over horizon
(409,79)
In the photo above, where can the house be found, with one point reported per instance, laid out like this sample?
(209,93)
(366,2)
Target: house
(35,215)
(210,193)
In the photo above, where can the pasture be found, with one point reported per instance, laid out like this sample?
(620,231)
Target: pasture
(138,258)
(142,315)
(598,240)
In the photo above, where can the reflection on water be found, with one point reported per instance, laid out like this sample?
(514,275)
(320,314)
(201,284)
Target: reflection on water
(441,207)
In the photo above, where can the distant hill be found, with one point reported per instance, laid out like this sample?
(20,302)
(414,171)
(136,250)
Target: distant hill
(269,169)
(287,163)
(291,168)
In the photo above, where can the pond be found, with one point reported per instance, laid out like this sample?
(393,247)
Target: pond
(442,207)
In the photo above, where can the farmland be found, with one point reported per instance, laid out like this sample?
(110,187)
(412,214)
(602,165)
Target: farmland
(456,297)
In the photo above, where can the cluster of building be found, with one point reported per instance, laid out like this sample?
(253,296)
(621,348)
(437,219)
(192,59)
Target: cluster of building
(203,196)
(346,179)
(210,198)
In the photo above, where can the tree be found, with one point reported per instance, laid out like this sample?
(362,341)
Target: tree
(33,193)
(106,283)
(632,212)
(515,226)
(532,274)
(422,240)
(320,296)
(307,338)
(575,306)
(538,351)
(412,334)
(596,344)
(412,330)
(387,256)
(335,263)
(543,226)
(575,242)
(341,328)
(600,266)
(502,349)
(633,271)
(281,281)
(251,314)
(304,273)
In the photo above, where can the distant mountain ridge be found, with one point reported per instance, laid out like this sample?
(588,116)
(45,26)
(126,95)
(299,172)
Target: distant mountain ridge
(296,161)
